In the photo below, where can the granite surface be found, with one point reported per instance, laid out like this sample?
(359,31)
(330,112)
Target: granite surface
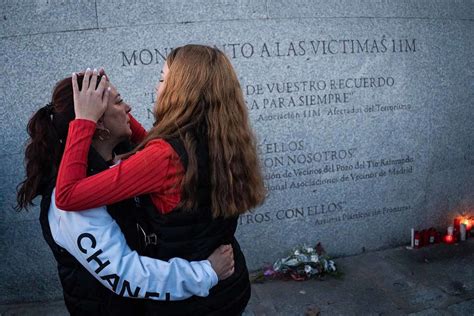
(423,9)
(46,16)
(128,13)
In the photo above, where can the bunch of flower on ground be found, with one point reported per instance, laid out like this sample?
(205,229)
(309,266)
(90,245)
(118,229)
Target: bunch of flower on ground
(301,264)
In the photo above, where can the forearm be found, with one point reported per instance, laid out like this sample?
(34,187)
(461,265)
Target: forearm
(144,172)
(127,274)
(96,241)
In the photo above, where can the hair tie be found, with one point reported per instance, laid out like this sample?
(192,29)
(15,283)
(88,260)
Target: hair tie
(50,107)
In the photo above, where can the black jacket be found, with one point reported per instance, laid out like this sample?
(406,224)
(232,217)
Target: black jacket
(83,294)
(194,235)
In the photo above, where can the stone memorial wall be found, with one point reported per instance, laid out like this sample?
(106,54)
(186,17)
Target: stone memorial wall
(363,111)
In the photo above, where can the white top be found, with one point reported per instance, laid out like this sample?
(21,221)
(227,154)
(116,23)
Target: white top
(96,241)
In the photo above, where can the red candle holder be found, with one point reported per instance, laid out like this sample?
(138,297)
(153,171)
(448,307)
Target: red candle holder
(427,237)
(432,236)
(422,238)
(457,232)
(457,222)
(439,237)
(417,239)
(449,239)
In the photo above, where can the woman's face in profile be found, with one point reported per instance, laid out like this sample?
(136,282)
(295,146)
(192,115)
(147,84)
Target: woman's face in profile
(115,117)
(161,83)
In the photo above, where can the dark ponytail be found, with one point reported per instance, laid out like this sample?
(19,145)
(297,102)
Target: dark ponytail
(48,131)
(41,156)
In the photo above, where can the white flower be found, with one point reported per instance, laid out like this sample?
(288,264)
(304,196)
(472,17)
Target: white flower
(291,262)
(314,258)
(307,269)
(302,258)
(297,252)
(277,265)
(332,266)
(309,249)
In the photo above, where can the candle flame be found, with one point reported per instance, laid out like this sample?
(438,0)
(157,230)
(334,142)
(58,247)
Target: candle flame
(467,222)
(448,239)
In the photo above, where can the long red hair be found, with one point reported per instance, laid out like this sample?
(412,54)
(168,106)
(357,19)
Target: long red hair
(202,89)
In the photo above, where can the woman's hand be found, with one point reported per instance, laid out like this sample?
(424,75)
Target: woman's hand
(222,261)
(90,103)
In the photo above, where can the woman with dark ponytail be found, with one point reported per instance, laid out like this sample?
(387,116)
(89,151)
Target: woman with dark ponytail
(99,271)
(45,147)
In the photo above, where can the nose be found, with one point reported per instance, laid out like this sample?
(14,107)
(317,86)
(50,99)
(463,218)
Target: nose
(128,108)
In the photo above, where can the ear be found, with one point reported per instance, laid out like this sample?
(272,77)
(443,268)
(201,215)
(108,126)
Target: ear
(100,124)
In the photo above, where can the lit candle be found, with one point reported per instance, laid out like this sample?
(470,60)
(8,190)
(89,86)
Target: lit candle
(417,239)
(432,235)
(450,230)
(462,231)
(469,226)
(468,223)
(449,239)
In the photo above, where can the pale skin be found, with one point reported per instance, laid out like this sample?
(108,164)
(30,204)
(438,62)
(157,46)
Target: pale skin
(105,107)
(161,84)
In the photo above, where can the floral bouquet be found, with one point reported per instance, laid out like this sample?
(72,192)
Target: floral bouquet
(302,264)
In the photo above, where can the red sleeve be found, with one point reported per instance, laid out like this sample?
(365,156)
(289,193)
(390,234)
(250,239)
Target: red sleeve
(138,132)
(147,171)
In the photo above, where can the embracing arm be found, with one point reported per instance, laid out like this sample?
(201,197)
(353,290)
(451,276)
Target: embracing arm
(97,242)
(145,172)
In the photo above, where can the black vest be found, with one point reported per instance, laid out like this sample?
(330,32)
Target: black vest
(194,235)
(83,294)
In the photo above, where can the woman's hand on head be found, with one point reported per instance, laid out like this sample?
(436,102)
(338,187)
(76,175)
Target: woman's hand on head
(90,102)
(222,261)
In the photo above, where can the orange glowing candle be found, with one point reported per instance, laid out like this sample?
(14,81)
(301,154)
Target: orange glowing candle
(449,239)
(468,223)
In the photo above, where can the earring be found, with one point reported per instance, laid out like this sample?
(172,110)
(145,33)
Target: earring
(103,134)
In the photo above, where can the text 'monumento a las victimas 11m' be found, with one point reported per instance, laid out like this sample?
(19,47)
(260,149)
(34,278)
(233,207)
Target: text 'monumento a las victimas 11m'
(363,112)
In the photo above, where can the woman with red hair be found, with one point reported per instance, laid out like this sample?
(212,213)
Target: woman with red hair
(198,163)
